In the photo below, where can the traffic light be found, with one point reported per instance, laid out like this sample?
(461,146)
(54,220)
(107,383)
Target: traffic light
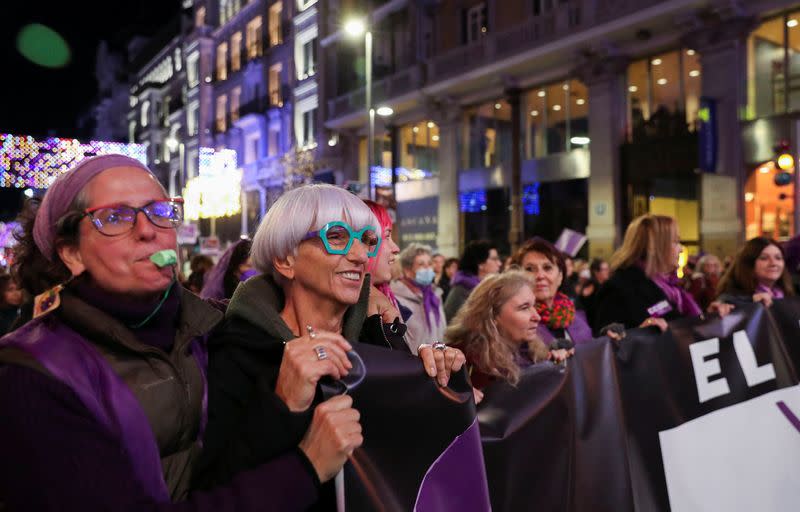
(784,161)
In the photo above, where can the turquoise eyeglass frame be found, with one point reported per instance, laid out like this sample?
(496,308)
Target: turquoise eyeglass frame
(322,234)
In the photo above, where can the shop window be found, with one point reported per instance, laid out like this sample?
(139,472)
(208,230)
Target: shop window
(769,208)
(664,94)
(488,135)
(556,118)
(772,48)
(419,146)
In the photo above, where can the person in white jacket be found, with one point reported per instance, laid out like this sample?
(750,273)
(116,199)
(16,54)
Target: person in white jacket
(416,291)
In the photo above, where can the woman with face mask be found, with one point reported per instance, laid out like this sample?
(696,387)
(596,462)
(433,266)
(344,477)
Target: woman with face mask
(416,291)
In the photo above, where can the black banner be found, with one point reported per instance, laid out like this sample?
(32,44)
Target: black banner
(703,417)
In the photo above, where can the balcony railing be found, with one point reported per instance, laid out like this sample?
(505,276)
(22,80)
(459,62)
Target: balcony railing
(565,19)
(390,87)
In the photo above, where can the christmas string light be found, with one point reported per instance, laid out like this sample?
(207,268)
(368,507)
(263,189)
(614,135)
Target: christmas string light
(26,162)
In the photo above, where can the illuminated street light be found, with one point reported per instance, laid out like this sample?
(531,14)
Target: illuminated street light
(580,141)
(384,111)
(355,27)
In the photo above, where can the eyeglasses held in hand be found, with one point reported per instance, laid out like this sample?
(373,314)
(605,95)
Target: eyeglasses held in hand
(338,236)
(119,219)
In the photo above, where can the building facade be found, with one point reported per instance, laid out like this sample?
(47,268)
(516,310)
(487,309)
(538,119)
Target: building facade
(581,113)
(219,78)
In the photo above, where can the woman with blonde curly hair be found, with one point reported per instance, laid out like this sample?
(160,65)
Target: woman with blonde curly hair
(496,329)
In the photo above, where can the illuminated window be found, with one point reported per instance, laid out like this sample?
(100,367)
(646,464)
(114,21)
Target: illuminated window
(664,94)
(236,51)
(275,34)
(254,46)
(222,57)
(236,95)
(768,53)
(222,108)
(275,98)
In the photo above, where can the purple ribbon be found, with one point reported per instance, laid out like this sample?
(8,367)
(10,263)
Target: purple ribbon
(431,304)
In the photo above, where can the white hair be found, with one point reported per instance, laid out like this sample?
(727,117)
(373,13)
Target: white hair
(411,252)
(304,209)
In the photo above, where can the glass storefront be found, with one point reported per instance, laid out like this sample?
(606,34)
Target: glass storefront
(768,207)
(557,118)
(664,94)
(772,48)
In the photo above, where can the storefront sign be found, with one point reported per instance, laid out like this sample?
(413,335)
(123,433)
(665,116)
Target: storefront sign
(418,221)
(707,134)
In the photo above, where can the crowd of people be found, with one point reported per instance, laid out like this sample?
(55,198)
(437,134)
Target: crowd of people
(126,387)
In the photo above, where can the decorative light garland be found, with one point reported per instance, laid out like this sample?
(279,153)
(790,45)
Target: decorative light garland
(26,162)
(216,191)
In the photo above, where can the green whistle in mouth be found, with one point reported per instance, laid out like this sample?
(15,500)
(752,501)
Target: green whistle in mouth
(164,258)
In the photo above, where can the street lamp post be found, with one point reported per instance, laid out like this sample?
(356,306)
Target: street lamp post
(355,28)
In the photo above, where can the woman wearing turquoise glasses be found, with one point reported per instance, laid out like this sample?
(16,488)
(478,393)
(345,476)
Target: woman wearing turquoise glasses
(289,327)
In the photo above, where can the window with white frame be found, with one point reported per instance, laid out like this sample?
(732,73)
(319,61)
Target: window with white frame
(145,114)
(275,34)
(302,5)
(253,38)
(176,58)
(222,58)
(191,118)
(252,148)
(309,58)
(236,51)
(308,128)
(305,52)
(192,69)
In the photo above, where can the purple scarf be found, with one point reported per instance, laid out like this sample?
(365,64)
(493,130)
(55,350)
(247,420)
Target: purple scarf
(468,281)
(430,301)
(776,292)
(676,295)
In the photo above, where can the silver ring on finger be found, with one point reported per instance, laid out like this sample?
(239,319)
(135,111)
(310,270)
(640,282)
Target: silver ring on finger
(438,345)
(321,353)
(311,333)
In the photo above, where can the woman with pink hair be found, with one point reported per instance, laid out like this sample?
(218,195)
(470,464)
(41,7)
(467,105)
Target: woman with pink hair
(382,300)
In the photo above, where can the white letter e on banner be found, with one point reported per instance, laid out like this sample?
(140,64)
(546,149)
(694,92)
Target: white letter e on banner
(706,390)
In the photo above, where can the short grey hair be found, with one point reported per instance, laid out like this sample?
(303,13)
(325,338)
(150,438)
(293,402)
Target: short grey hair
(410,253)
(304,209)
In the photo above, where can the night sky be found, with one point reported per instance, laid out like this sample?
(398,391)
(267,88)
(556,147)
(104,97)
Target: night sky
(39,101)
